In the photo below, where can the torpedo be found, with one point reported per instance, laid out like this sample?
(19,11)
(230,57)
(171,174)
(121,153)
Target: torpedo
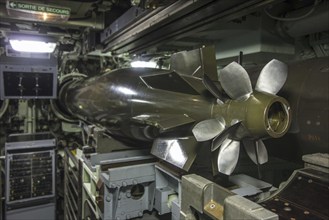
(169,111)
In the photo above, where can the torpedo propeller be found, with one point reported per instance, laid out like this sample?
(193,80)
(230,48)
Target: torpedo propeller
(228,135)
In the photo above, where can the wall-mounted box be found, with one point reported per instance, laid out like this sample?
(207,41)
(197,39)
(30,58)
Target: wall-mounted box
(28,78)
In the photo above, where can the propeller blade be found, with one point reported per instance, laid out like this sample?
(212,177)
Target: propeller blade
(228,156)
(208,129)
(272,77)
(235,81)
(256,150)
(211,87)
(227,133)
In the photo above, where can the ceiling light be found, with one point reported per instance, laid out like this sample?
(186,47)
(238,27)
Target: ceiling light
(149,64)
(32,46)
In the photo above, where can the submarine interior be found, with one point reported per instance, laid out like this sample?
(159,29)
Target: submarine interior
(164,109)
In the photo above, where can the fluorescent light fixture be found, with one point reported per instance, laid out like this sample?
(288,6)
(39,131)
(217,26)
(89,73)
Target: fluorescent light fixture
(32,46)
(149,64)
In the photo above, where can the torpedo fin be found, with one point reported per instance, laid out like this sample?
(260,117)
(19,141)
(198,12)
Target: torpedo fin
(164,122)
(180,152)
(196,62)
(171,82)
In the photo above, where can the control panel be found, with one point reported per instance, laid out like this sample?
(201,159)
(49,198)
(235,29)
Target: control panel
(32,78)
(30,176)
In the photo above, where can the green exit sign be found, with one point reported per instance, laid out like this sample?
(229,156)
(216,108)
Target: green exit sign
(38,8)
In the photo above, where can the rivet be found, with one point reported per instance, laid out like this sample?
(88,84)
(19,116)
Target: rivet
(306,212)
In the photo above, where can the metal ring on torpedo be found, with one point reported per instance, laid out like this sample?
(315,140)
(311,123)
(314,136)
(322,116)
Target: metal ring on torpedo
(278,117)
(55,106)
(3,106)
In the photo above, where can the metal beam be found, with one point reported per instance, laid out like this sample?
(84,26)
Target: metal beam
(179,20)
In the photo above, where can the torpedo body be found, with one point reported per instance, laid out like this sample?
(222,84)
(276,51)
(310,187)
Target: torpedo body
(129,102)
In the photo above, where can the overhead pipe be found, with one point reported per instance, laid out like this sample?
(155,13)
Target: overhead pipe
(316,22)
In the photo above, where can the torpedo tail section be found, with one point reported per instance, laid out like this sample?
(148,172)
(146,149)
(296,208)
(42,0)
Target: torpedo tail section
(247,117)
